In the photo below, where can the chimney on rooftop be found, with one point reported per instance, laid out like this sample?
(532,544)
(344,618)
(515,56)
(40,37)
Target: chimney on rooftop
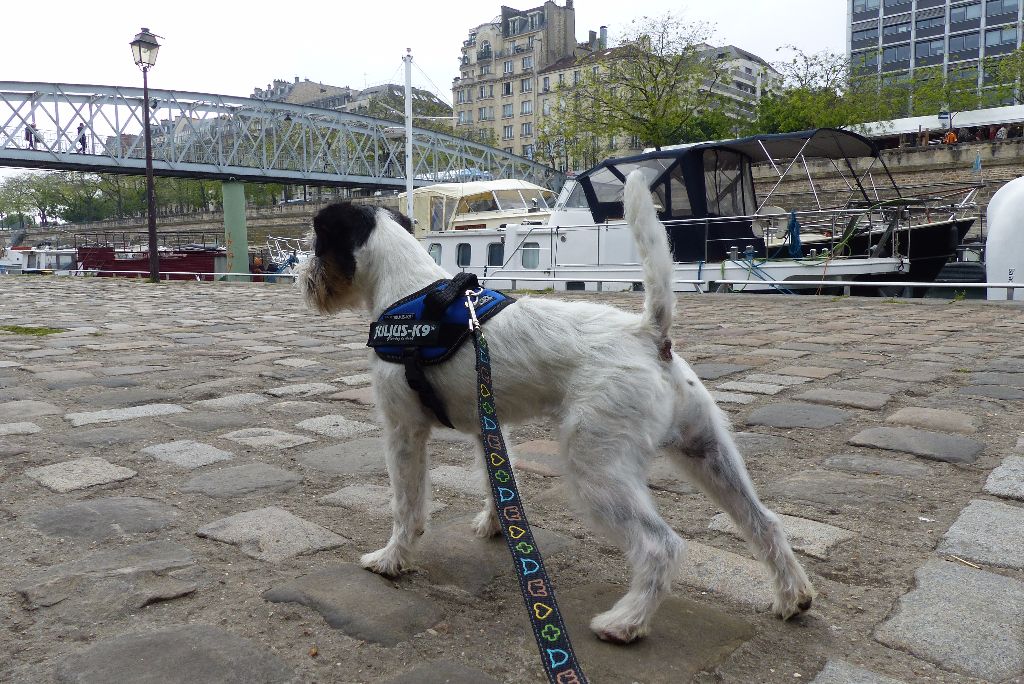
(296,79)
(604,38)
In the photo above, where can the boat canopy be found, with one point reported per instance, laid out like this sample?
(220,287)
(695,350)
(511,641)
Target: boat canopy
(438,205)
(712,179)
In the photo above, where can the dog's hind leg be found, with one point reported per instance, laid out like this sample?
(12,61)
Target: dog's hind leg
(406,457)
(607,476)
(710,458)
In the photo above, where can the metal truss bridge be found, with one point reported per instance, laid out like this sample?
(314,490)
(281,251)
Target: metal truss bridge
(97,129)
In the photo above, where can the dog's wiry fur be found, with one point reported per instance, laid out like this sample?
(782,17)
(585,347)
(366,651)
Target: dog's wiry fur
(607,378)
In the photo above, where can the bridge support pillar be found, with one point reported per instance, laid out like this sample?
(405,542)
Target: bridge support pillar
(236,234)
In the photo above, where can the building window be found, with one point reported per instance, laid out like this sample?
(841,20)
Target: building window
(507,149)
(864,34)
(865,60)
(895,54)
(895,3)
(996,7)
(463,254)
(495,254)
(1003,36)
(965,13)
(527,107)
(506,111)
(965,41)
(464,118)
(486,114)
(896,29)
(506,134)
(561,79)
(934,22)
(527,129)
(460,97)
(508,66)
(527,63)
(531,254)
(485,69)
(528,151)
(865,5)
(546,107)
(575,77)
(506,88)
(435,253)
(547,83)
(928,48)
(526,85)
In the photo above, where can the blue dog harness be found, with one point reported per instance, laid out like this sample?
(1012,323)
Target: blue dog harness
(428,327)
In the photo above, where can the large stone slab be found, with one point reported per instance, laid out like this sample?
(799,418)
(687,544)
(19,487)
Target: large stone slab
(987,532)
(112,583)
(119,398)
(105,436)
(961,619)
(906,374)
(8,429)
(935,419)
(714,371)
(361,604)
(241,480)
(876,465)
(807,536)
(80,473)
(117,415)
(443,672)
(18,411)
(188,654)
(1007,480)
(466,481)
(232,401)
(732,397)
(992,392)
(209,421)
(841,672)
(686,638)
(846,398)
(451,554)
(336,426)
(186,453)
(750,443)
(738,578)
(794,415)
(271,534)
(359,456)
(813,372)
(934,446)
(831,489)
(311,389)
(1007,379)
(751,388)
(538,456)
(267,438)
(100,519)
(773,379)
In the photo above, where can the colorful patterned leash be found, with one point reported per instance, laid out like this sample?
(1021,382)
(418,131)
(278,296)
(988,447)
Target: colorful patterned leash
(549,630)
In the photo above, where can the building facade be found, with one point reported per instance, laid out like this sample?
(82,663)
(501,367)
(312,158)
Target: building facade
(897,37)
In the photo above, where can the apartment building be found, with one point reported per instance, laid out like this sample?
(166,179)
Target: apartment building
(896,37)
(495,93)
(345,99)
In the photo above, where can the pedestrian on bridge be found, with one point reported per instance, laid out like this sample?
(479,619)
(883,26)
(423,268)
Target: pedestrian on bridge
(30,136)
(81,138)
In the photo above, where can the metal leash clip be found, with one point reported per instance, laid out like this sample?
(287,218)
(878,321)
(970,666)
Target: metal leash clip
(471,300)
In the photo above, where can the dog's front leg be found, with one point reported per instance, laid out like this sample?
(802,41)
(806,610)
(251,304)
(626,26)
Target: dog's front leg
(406,457)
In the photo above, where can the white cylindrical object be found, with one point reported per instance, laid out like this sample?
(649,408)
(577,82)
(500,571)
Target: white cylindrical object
(1004,246)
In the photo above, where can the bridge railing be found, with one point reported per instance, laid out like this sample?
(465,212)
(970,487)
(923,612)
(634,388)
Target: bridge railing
(100,128)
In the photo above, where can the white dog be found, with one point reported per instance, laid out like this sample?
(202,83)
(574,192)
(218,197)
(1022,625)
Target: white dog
(607,378)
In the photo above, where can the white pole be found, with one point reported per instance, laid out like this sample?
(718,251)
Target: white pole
(408,132)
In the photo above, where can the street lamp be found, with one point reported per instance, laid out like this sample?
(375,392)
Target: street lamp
(144,49)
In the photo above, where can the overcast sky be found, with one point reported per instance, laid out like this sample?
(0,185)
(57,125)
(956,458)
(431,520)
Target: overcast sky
(232,47)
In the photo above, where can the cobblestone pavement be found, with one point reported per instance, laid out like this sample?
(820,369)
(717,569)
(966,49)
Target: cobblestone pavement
(189,473)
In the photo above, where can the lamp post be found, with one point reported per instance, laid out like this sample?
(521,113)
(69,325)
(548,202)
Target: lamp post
(144,49)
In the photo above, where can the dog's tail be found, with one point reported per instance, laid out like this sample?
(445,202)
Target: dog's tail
(652,243)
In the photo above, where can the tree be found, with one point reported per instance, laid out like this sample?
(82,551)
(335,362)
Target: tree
(657,86)
(1006,73)
(931,92)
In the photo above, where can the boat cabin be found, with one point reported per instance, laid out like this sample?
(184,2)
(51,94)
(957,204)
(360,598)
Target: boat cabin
(478,205)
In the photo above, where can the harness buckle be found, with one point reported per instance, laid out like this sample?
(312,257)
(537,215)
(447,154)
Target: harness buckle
(472,296)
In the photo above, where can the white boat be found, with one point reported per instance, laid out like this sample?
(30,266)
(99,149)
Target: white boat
(718,228)
(42,259)
(478,205)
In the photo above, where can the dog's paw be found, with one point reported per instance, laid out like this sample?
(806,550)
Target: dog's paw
(789,604)
(386,562)
(486,524)
(611,627)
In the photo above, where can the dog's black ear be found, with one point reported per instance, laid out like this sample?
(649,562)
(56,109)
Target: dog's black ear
(341,229)
(402,220)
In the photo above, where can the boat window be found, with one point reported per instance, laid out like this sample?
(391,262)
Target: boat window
(437,215)
(680,204)
(65,261)
(510,199)
(495,254)
(435,252)
(544,198)
(573,197)
(463,254)
(531,254)
(480,202)
(724,183)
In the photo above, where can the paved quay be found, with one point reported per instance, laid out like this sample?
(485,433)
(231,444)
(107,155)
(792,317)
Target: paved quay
(189,473)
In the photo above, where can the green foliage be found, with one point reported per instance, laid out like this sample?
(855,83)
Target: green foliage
(30,330)
(1007,73)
